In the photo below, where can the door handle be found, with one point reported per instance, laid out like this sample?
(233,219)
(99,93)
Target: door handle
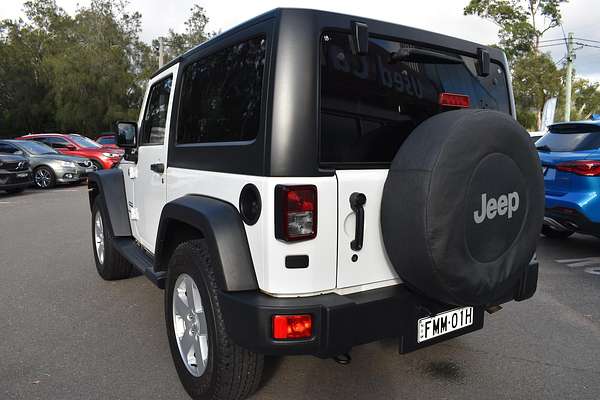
(357,201)
(158,167)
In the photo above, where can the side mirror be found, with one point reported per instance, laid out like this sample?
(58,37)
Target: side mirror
(70,147)
(126,133)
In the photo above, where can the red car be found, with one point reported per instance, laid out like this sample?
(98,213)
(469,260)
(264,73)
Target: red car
(76,145)
(108,140)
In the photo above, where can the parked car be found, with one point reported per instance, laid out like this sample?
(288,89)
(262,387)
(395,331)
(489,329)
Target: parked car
(570,156)
(108,140)
(536,135)
(15,173)
(331,181)
(81,146)
(49,167)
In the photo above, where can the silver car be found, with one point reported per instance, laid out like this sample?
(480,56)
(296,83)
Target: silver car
(49,167)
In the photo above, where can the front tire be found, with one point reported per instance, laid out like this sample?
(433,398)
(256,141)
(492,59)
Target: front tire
(109,263)
(209,364)
(44,177)
(554,234)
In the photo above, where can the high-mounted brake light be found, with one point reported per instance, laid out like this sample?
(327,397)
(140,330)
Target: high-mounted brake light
(295,212)
(581,167)
(292,326)
(454,100)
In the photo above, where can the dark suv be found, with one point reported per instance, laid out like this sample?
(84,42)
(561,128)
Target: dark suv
(15,173)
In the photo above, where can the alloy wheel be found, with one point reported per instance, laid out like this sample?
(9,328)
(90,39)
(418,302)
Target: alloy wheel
(42,178)
(189,323)
(99,237)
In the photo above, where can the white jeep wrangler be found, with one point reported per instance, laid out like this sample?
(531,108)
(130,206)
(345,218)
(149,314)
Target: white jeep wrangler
(309,181)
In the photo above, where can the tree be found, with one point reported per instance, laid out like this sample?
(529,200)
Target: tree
(587,99)
(195,34)
(519,21)
(71,73)
(94,81)
(522,23)
(535,80)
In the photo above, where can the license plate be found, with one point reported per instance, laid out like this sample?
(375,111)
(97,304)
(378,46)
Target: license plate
(446,322)
(23,175)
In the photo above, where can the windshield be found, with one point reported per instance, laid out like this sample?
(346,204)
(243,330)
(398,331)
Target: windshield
(35,148)
(85,142)
(570,138)
(370,104)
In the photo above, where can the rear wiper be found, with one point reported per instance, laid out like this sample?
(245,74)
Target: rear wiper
(543,148)
(422,56)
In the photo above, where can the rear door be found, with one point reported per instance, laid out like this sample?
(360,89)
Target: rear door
(369,106)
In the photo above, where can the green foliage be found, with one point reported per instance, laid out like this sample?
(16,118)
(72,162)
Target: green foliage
(535,80)
(195,33)
(519,21)
(77,73)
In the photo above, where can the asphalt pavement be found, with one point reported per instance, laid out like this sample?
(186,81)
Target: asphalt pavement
(67,334)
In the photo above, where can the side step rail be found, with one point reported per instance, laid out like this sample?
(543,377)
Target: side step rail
(141,260)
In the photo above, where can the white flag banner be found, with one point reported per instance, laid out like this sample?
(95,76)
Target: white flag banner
(548,113)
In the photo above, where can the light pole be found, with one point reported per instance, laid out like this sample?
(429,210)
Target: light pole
(569,78)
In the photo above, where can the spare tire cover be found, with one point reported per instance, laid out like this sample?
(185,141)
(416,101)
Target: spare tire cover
(462,207)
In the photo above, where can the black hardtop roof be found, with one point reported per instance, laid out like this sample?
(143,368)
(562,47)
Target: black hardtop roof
(432,37)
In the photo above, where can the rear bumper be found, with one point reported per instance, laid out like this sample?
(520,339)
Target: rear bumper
(570,218)
(341,322)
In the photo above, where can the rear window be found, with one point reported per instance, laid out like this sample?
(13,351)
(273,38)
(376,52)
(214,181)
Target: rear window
(370,104)
(578,137)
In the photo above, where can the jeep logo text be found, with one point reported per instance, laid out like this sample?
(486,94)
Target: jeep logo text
(505,204)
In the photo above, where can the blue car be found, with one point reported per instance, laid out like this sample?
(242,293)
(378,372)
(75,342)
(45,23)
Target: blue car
(570,156)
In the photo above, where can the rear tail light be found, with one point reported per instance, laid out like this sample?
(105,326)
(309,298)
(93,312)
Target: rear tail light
(583,167)
(296,212)
(454,100)
(292,326)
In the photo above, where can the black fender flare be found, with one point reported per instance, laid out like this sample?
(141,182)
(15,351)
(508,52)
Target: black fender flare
(110,184)
(221,226)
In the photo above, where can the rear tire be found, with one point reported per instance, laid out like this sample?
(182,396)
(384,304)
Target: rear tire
(227,371)
(554,234)
(110,264)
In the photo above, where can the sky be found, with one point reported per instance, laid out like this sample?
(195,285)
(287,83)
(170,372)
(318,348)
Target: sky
(443,16)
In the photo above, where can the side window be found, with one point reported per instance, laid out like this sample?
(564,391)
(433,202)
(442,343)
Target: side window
(55,142)
(6,148)
(221,95)
(155,118)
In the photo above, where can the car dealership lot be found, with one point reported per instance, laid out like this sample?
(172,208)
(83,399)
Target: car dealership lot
(66,334)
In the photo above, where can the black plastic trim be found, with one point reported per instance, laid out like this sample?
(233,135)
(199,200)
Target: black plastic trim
(574,220)
(299,261)
(220,224)
(339,322)
(110,183)
(140,259)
